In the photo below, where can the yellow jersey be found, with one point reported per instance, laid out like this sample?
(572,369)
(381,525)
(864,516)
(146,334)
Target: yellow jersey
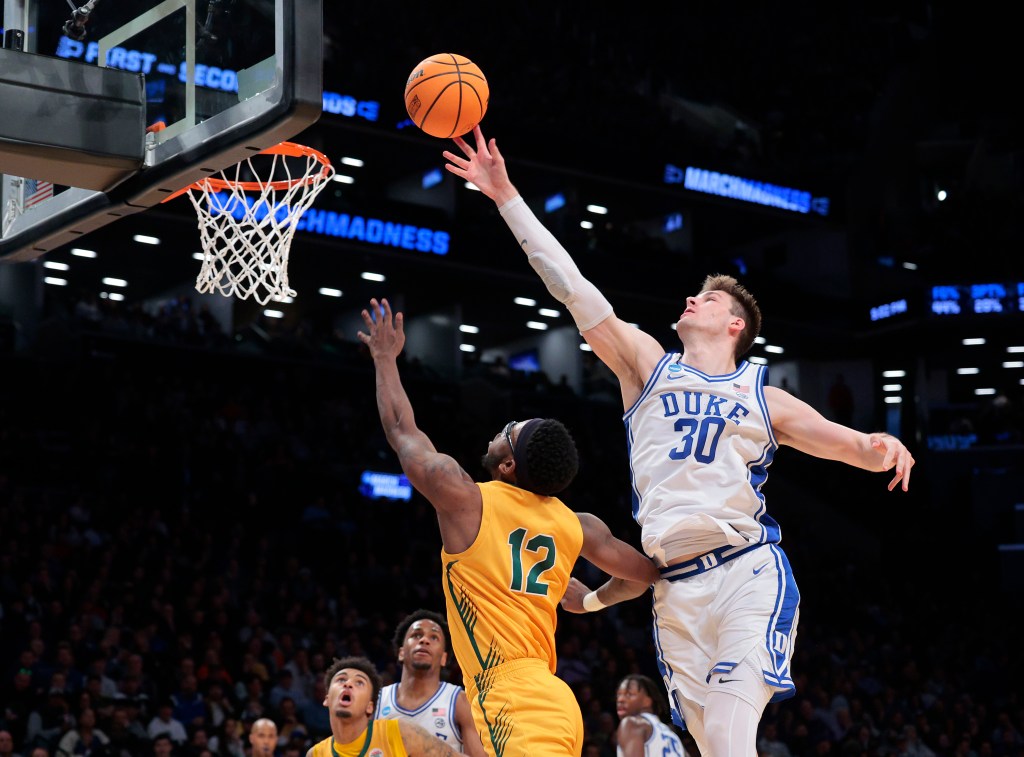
(502,592)
(382,738)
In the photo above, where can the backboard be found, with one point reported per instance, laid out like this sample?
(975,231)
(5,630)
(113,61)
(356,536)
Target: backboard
(116,105)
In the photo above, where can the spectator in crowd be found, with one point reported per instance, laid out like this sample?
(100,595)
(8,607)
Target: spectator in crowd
(7,744)
(263,738)
(162,746)
(165,722)
(125,734)
(85,738)
(189,705)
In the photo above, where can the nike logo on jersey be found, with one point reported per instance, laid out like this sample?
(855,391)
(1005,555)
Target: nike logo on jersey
(523,243)
(726,680)
(758,570)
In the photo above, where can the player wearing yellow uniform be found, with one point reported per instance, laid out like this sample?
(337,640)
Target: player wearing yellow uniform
(502,595)
(508,551)
(353,685)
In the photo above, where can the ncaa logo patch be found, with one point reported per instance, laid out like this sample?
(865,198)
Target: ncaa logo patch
(674,367)
(386,710)
(376,753)
(439,723)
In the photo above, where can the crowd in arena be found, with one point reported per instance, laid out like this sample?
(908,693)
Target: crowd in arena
(184,549)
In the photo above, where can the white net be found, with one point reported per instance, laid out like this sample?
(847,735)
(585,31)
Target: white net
(246,223)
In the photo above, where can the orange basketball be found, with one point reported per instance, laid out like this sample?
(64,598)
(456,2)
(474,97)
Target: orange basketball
(446,95)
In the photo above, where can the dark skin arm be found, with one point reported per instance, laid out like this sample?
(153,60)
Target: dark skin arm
(454,495)
(632,735)
(464,718)
(614,556)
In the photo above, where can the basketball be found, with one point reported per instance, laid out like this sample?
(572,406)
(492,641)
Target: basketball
(446,95)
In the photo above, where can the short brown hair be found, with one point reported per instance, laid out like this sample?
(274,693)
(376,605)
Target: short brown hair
(745,307)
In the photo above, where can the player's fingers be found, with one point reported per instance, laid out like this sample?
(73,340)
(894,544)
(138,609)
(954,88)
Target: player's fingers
(364,338)
(367,320)
(464,146)
(456,159)
(495,152)
(386,307)
(399,322)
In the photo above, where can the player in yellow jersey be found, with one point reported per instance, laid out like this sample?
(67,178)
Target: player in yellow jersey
(509,546)
(352,687)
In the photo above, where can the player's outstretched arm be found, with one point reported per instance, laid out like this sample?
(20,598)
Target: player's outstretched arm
(800,426)
(436,476)
(419,743)
(632,571)
(612,555)
(629,352)
(613,591)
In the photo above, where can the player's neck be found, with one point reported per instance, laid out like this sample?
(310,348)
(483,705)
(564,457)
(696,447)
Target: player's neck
(712,358)
(416,687)
(347,730)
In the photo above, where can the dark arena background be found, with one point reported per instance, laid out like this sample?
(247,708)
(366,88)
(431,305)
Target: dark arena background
(196,495)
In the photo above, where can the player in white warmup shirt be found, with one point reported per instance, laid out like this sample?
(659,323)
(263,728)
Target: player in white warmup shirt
(420,696)
(702,427)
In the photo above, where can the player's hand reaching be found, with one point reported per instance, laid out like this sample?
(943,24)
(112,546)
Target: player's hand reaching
(483,166)
(894,455)
(572,600)
(386,335)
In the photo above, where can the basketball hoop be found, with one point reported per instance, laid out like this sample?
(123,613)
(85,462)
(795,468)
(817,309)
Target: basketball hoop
(246,225)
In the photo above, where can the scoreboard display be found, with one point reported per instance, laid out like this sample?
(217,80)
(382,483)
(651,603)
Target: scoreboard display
(963,299)
(947,301)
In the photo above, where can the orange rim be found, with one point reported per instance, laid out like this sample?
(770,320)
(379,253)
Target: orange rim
(290,149)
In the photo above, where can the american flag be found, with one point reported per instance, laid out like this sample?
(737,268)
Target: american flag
(743,388)
(36,191)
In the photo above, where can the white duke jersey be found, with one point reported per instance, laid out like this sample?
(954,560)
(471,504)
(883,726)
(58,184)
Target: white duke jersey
(699,451)
(436,715)
(663,741)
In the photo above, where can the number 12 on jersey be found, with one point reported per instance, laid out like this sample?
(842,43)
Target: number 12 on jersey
(541,546)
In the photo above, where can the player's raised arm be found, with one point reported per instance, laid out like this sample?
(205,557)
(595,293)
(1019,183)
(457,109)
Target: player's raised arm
(629,352)
(435,475)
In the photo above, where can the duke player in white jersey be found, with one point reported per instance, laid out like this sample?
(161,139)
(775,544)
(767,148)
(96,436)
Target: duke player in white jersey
(420,696)
(702,427)
(641,733)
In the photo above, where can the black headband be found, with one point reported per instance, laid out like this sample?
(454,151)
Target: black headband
(523,479)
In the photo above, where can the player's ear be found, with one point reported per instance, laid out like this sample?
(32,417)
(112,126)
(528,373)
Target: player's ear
(736,325)
(444,659)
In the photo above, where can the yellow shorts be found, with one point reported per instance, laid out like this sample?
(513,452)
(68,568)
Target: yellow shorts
(521,710)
